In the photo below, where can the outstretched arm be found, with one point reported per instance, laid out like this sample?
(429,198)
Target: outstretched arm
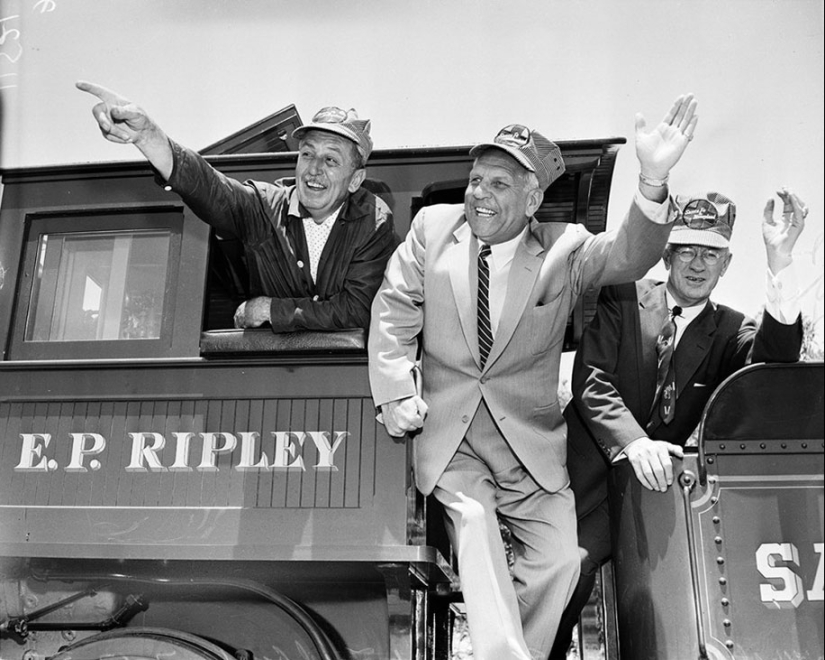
(123,122)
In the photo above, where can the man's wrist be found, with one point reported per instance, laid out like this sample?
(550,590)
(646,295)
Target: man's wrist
(654,181)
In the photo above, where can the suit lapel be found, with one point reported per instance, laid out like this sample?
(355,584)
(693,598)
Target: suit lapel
(652,314)
(693,347)
(523,274)
(464,281)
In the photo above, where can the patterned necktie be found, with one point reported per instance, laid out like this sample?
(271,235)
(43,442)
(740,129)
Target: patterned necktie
(485,333)
(666,373)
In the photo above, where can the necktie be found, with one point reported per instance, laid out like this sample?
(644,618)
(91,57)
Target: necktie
(666,374)
(485,333)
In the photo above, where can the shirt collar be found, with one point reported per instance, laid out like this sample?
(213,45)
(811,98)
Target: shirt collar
(297,210)
(503,253)
(688,313)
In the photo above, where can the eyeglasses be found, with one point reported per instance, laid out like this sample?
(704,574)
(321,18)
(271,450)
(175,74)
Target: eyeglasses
(708,255)
(514,135)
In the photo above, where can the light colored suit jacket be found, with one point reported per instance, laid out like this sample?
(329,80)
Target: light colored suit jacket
(428,297)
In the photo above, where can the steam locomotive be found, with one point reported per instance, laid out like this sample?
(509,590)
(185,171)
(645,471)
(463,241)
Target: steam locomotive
(172,487)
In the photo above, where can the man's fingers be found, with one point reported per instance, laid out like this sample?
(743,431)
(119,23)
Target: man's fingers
(104,94)
(641,124)
(768,212)
(671,114)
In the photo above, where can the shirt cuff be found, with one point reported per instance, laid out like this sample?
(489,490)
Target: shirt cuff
(782,295)
(658,212)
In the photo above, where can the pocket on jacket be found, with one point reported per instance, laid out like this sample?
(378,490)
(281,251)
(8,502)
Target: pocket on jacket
(542,337)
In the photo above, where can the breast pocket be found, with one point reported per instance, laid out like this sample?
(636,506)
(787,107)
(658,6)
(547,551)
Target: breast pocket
(544,327)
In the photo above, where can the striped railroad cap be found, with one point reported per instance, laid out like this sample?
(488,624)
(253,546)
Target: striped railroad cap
(341,122)
(703,220)
(531,149)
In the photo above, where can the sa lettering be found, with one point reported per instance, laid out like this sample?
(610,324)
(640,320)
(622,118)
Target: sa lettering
(785,589)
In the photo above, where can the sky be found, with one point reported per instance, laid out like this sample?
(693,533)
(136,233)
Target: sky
(450,72)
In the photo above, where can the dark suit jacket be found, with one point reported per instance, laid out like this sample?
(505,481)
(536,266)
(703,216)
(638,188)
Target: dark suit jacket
(266,218)
(614,375)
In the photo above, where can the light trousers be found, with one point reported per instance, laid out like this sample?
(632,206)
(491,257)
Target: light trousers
(509,617)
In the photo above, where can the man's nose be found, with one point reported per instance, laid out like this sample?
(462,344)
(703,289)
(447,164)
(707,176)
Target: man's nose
(480,191)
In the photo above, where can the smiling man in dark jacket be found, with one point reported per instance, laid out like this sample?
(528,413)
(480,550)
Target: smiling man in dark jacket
(316,245)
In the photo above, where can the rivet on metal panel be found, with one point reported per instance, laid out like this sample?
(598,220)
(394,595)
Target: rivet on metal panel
(718,540)
(784,445)
(743,446)
(714,499)
(723,581)
(729,644)
(726,623)
(762,445)
(720,560)
(721,447)
(725,602)
(804,445)
(716,520)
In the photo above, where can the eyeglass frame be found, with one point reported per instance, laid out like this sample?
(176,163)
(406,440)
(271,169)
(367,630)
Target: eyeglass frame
(703,252)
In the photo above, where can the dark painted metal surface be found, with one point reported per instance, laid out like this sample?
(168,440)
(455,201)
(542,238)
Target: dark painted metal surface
(731,566)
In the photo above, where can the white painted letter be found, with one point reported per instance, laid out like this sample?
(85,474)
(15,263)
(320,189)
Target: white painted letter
(181,463)
(209,455)
(284,450)
(79,451)
(248,441)
(325,451)
(140,452)
(817,588)
(786,589)
(32,449)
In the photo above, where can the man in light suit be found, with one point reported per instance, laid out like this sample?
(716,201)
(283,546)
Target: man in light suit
(617,410)
(494,439)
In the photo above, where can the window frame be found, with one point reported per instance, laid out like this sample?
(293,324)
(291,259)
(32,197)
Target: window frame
(102,221)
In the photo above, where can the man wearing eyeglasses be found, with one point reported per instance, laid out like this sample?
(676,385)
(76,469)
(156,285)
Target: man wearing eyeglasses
(487,290)
(316,245)
(655,352)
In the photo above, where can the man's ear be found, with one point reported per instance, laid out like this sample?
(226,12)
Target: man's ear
(357,179)
(534,199)
(666,257)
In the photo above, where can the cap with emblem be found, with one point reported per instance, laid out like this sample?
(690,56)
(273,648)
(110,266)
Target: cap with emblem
(341,122)
(531,149)
(703,220)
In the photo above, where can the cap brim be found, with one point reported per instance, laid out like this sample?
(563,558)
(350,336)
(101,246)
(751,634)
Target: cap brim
(512,151)
(337,129)
(701,237)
